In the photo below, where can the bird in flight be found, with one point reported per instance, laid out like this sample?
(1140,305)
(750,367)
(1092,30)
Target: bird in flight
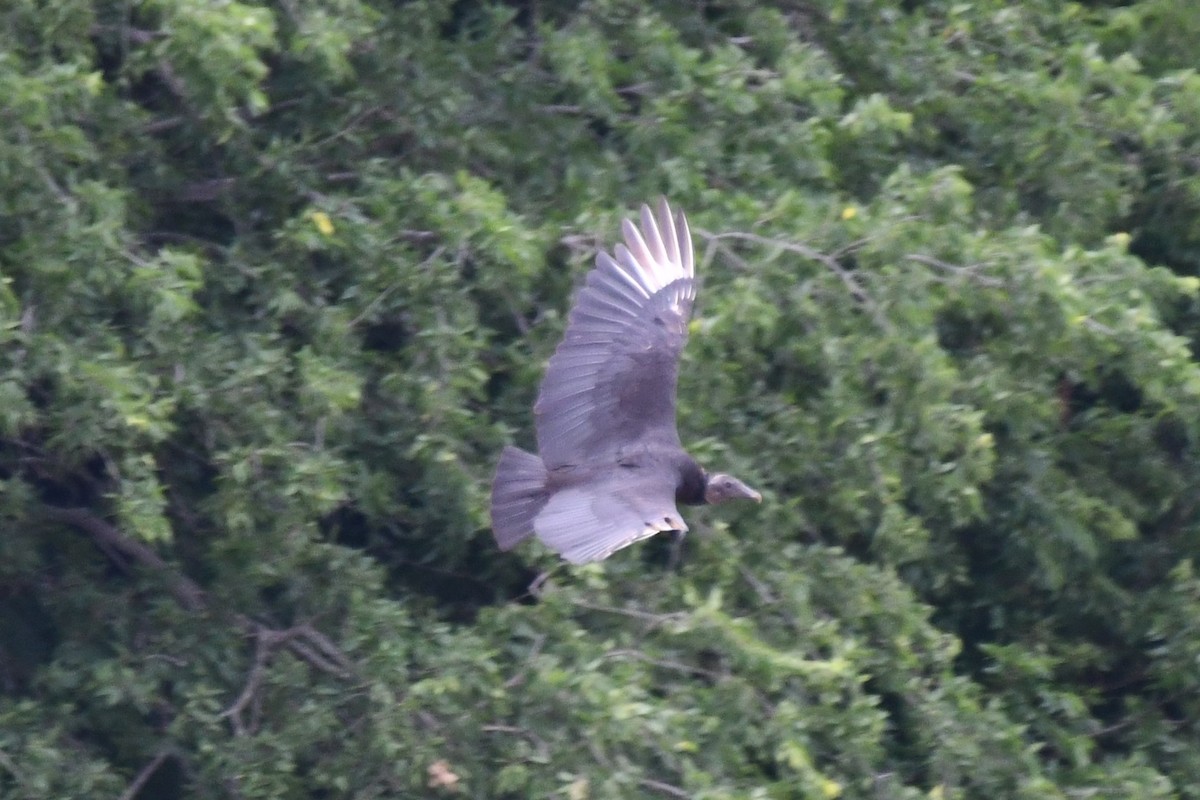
(610,468)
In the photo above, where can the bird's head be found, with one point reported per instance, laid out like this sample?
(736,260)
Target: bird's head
(721,487)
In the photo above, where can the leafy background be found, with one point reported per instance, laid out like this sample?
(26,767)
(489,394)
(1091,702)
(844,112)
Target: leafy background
(279,281)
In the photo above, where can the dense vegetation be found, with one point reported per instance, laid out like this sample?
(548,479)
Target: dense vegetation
(279,281)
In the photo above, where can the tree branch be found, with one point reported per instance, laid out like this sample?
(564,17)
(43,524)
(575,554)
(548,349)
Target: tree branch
(265,642)
(306,642)
(847,277)
(965,272)
(143,775)
(664,788)
(185,591)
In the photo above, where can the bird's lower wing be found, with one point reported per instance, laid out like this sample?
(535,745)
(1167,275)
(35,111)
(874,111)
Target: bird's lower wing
(592,521)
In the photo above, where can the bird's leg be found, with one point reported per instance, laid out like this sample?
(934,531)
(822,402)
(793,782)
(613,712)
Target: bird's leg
(675,559)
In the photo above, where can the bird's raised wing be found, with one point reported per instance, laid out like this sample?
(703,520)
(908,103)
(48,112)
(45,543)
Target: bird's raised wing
(611,382)
(591,521)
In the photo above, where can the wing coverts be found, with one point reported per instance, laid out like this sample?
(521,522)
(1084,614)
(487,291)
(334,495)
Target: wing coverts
(592,521)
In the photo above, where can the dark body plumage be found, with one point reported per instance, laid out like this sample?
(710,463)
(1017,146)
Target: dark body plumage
(610,467)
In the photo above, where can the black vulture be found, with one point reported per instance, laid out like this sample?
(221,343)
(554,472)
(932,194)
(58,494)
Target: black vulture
(610,467)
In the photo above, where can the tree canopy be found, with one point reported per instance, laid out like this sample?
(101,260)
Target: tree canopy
(278,282)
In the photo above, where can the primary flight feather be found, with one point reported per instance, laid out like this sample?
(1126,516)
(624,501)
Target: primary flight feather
(610,467)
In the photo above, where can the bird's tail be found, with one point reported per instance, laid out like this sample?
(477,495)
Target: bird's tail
(518,494)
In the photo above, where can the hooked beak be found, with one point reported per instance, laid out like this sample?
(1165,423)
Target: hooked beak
(722,488)
(742,490)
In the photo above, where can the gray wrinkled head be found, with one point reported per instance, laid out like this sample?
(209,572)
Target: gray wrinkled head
(721,488)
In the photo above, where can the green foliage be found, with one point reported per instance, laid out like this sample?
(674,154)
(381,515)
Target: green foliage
(278,281)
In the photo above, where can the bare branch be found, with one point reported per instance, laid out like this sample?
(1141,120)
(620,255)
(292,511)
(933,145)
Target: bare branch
(964,272)
(519,678)
(265,642)
(760,588)
(164,124)
(206,191)
(847,277)
(324,656)
(379,298)
(664,788)
(171,78)
(327,648)
(114,543)
(645,616)
(558,108)
(354,122)
(304,641)
(675,666)
(143,775)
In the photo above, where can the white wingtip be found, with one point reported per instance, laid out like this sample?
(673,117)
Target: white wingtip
(684,235)
(660,251)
